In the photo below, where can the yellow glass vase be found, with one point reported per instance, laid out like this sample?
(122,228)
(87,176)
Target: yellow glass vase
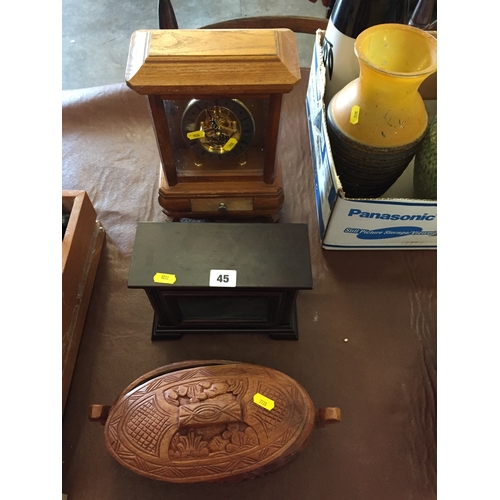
(376,122)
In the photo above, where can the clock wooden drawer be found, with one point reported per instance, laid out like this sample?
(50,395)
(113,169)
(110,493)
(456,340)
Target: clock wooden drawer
(221,204)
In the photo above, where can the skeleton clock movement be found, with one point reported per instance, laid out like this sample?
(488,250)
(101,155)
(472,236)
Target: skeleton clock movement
(215,101)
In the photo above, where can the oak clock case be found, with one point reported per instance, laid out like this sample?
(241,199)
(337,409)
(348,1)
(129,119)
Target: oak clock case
(215,101)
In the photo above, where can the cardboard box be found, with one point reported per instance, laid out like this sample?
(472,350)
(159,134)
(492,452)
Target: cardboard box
(81,249)
(393,221)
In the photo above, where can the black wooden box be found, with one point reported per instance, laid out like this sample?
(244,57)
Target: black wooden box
(222,277)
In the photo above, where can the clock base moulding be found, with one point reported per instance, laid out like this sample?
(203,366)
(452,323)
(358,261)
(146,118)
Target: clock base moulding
(224,200)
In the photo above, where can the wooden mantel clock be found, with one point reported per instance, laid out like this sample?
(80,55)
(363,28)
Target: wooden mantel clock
(215,100)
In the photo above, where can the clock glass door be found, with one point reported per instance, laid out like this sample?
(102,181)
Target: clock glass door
(218,137)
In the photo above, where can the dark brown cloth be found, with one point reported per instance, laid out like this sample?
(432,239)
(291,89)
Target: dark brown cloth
(367,329)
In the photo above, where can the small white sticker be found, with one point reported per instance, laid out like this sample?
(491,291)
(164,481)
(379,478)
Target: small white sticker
(222,277)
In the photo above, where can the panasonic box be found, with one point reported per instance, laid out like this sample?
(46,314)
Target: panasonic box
(394,221)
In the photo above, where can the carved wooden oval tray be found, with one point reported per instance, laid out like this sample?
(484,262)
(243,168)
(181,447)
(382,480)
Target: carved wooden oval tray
(203,421)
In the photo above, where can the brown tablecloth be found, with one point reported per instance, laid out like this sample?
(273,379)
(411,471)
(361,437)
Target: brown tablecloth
(367,329)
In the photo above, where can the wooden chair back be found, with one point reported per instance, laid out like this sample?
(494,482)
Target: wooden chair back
(298,24)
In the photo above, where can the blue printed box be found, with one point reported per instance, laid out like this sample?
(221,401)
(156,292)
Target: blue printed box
(396,220)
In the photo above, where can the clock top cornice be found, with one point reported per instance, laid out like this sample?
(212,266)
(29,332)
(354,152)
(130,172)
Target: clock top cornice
(184,63)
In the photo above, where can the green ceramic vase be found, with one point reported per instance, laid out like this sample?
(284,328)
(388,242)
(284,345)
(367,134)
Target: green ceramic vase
(425,171)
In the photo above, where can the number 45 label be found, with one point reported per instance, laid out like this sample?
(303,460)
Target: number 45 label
(222,277)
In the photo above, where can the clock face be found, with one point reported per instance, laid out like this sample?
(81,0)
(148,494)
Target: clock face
(218,128)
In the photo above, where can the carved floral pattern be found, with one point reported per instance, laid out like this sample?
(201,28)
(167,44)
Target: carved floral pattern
(232,438)
(202,390)
(188,446)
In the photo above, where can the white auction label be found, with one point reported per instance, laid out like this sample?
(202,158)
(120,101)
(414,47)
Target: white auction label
(222,277)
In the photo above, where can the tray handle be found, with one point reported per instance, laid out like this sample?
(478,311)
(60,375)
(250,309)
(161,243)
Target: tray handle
(99,413)
(329,415)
